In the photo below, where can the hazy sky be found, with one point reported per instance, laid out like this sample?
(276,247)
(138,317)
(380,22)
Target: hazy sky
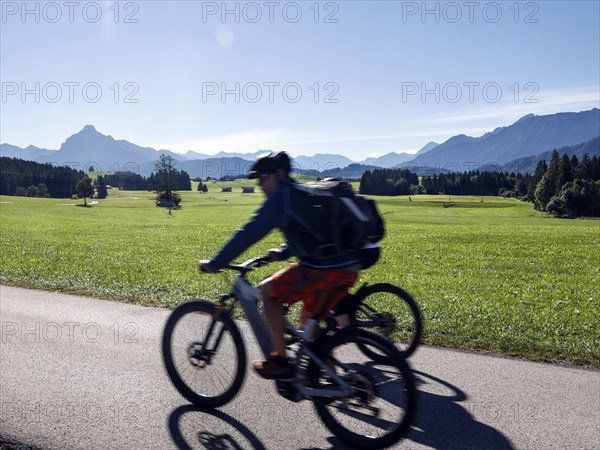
(351,77)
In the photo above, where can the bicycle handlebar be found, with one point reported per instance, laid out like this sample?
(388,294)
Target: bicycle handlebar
(251,264)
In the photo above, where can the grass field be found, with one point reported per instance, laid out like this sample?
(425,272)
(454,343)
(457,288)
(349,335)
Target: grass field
(489,274)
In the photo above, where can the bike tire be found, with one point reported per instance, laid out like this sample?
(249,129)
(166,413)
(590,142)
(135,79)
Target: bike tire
(408,324)
(378,382)
(185,333)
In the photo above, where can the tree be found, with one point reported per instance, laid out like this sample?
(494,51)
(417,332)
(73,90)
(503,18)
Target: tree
(565,172)
(584,169)
(42,190)
(540,170)
(553,171)
(544,192)
(32,191)
(85,188)
(557,207)
(416,189)
(595,168)
(101,187)
(184,183)
(166,182)
(574,163)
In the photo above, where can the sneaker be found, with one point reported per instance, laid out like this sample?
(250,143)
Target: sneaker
(276,368)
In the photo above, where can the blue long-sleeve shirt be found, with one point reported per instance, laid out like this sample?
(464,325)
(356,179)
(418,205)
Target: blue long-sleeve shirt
(276,212)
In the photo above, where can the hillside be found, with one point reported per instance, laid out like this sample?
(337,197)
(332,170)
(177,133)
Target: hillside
(530,135)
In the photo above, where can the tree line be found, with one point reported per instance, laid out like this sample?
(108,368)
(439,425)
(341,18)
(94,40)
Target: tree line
(20,177)
(403,182)
(477,183)
(566,187)
(33,179)
(388,182)
(130,181)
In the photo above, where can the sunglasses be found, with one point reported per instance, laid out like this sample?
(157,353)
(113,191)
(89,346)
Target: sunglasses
(263,177)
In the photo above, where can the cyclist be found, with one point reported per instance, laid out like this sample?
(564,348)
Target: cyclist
(318,281)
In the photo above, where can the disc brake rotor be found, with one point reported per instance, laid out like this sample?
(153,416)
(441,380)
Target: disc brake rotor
(364,386)
(197,355)
(387,323)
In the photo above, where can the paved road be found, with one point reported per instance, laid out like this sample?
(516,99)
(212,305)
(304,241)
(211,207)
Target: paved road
(82,373)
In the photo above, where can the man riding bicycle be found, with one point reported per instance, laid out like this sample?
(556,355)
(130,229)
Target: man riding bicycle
(320,282)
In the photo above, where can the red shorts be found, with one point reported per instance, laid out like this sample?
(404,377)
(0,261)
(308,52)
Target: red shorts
(320,289)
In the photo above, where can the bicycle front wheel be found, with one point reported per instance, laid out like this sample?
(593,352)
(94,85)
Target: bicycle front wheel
(405,324)
(203,353)
(383,404)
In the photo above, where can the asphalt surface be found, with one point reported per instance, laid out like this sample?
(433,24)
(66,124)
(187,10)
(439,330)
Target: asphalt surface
(82,373)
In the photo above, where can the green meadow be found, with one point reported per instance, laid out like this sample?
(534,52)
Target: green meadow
(489,273)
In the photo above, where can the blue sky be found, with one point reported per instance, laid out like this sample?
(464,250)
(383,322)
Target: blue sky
(350,77)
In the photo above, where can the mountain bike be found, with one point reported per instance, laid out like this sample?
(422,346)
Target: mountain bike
(365,403)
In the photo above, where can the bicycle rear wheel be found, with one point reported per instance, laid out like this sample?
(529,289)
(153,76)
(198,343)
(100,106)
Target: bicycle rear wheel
(203,353)
(406,324)
(384,402)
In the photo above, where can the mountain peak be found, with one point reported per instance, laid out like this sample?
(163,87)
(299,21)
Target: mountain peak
(89,128)
(527,117)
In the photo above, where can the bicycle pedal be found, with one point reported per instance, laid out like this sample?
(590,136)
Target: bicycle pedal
(287,390)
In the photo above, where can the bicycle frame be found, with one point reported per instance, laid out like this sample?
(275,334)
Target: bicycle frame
(248,296)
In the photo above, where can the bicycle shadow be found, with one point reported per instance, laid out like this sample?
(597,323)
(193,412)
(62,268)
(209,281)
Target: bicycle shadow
(206,439)
(212,441)
(442,423)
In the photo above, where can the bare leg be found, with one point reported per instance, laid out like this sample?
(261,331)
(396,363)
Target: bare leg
(274,318)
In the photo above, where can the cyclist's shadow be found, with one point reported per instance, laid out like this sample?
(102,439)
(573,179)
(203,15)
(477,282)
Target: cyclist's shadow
(206,439)
(442,423)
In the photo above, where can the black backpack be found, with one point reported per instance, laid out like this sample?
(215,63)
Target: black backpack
(339,220)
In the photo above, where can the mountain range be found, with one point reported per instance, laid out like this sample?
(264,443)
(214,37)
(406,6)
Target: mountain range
(89,147)
(528,137)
